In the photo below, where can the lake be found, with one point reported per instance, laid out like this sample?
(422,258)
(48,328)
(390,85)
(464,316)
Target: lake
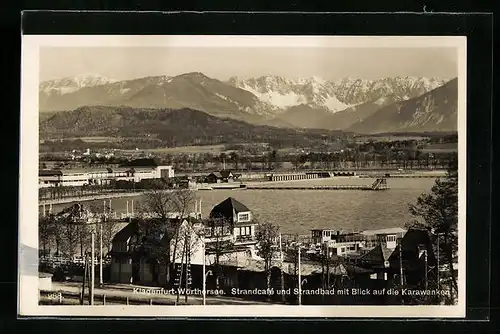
(299,211)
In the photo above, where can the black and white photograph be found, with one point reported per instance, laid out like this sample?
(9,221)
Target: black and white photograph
(243,175)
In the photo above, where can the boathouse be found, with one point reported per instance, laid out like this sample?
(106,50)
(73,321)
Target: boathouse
(220,177)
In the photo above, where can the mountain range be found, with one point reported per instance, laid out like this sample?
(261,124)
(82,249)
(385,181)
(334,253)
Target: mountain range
(172,127)
(348,104)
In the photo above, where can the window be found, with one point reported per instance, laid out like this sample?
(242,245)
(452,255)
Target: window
(218,230)
(246,230)
(391,238)
(208,231)
(243,217)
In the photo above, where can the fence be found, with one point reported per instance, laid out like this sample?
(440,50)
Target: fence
(48,297)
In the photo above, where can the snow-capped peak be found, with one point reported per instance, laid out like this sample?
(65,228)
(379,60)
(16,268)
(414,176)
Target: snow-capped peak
(282,93)
(70,84)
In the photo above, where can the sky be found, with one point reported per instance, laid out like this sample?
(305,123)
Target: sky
(331,63)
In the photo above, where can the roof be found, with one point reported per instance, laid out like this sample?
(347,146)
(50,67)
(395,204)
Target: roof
(392,230)
(49,173)
(228,208)
(222,174)
(216,174)
(357,270)
(126,232)
(415,237)
(306,269)
(225,173)
(409,244)
(378,254)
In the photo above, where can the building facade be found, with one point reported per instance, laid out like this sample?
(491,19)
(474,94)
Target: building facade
(83,177)
(129,264)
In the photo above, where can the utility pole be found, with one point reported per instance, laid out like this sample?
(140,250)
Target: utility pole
(438,269)
(426,281)
(323,255)
(300,278)
(100,245)
(204,274)
(92,270)
(401,265)
(327,267)
(401,269)
(85,273)
(282,275)
(188,267)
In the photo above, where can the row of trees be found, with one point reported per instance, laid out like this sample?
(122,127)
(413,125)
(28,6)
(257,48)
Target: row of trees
(68,232)
(274,160)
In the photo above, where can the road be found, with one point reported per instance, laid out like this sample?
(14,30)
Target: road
(143,295)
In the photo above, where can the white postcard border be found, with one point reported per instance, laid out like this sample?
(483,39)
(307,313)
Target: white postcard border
(28,196)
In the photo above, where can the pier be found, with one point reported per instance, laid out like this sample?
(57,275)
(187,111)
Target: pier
(307,175)
(379,184)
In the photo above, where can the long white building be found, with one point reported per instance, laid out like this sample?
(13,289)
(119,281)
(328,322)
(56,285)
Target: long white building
(82,177)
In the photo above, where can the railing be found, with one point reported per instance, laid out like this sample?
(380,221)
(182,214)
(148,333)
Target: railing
(59,260)
(245,238)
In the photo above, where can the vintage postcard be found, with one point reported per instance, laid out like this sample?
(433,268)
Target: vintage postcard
(242,176)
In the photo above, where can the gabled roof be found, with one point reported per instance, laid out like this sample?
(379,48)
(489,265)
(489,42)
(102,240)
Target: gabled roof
(415,237)
(126,232)
(228,208)
(222,174)
(379,254)
(225,173)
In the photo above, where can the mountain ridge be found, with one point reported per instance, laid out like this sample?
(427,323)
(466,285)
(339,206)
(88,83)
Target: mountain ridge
(436,110)
(172,126)
(308,103)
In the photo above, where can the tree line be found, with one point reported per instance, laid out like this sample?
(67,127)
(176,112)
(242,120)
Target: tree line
(68,233)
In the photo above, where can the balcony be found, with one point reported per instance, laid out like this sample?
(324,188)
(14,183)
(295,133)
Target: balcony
(244,239)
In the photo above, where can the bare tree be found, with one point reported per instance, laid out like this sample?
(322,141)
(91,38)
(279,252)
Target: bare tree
(188,241)
(46,231)
(218,231)
(66,229)
(103,215)
(157,210)
(267,235)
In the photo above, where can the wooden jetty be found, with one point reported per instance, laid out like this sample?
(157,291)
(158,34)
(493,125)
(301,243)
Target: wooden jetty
(379,184)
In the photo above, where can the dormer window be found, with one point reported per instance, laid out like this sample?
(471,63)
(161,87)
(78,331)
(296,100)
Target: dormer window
(244,217)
